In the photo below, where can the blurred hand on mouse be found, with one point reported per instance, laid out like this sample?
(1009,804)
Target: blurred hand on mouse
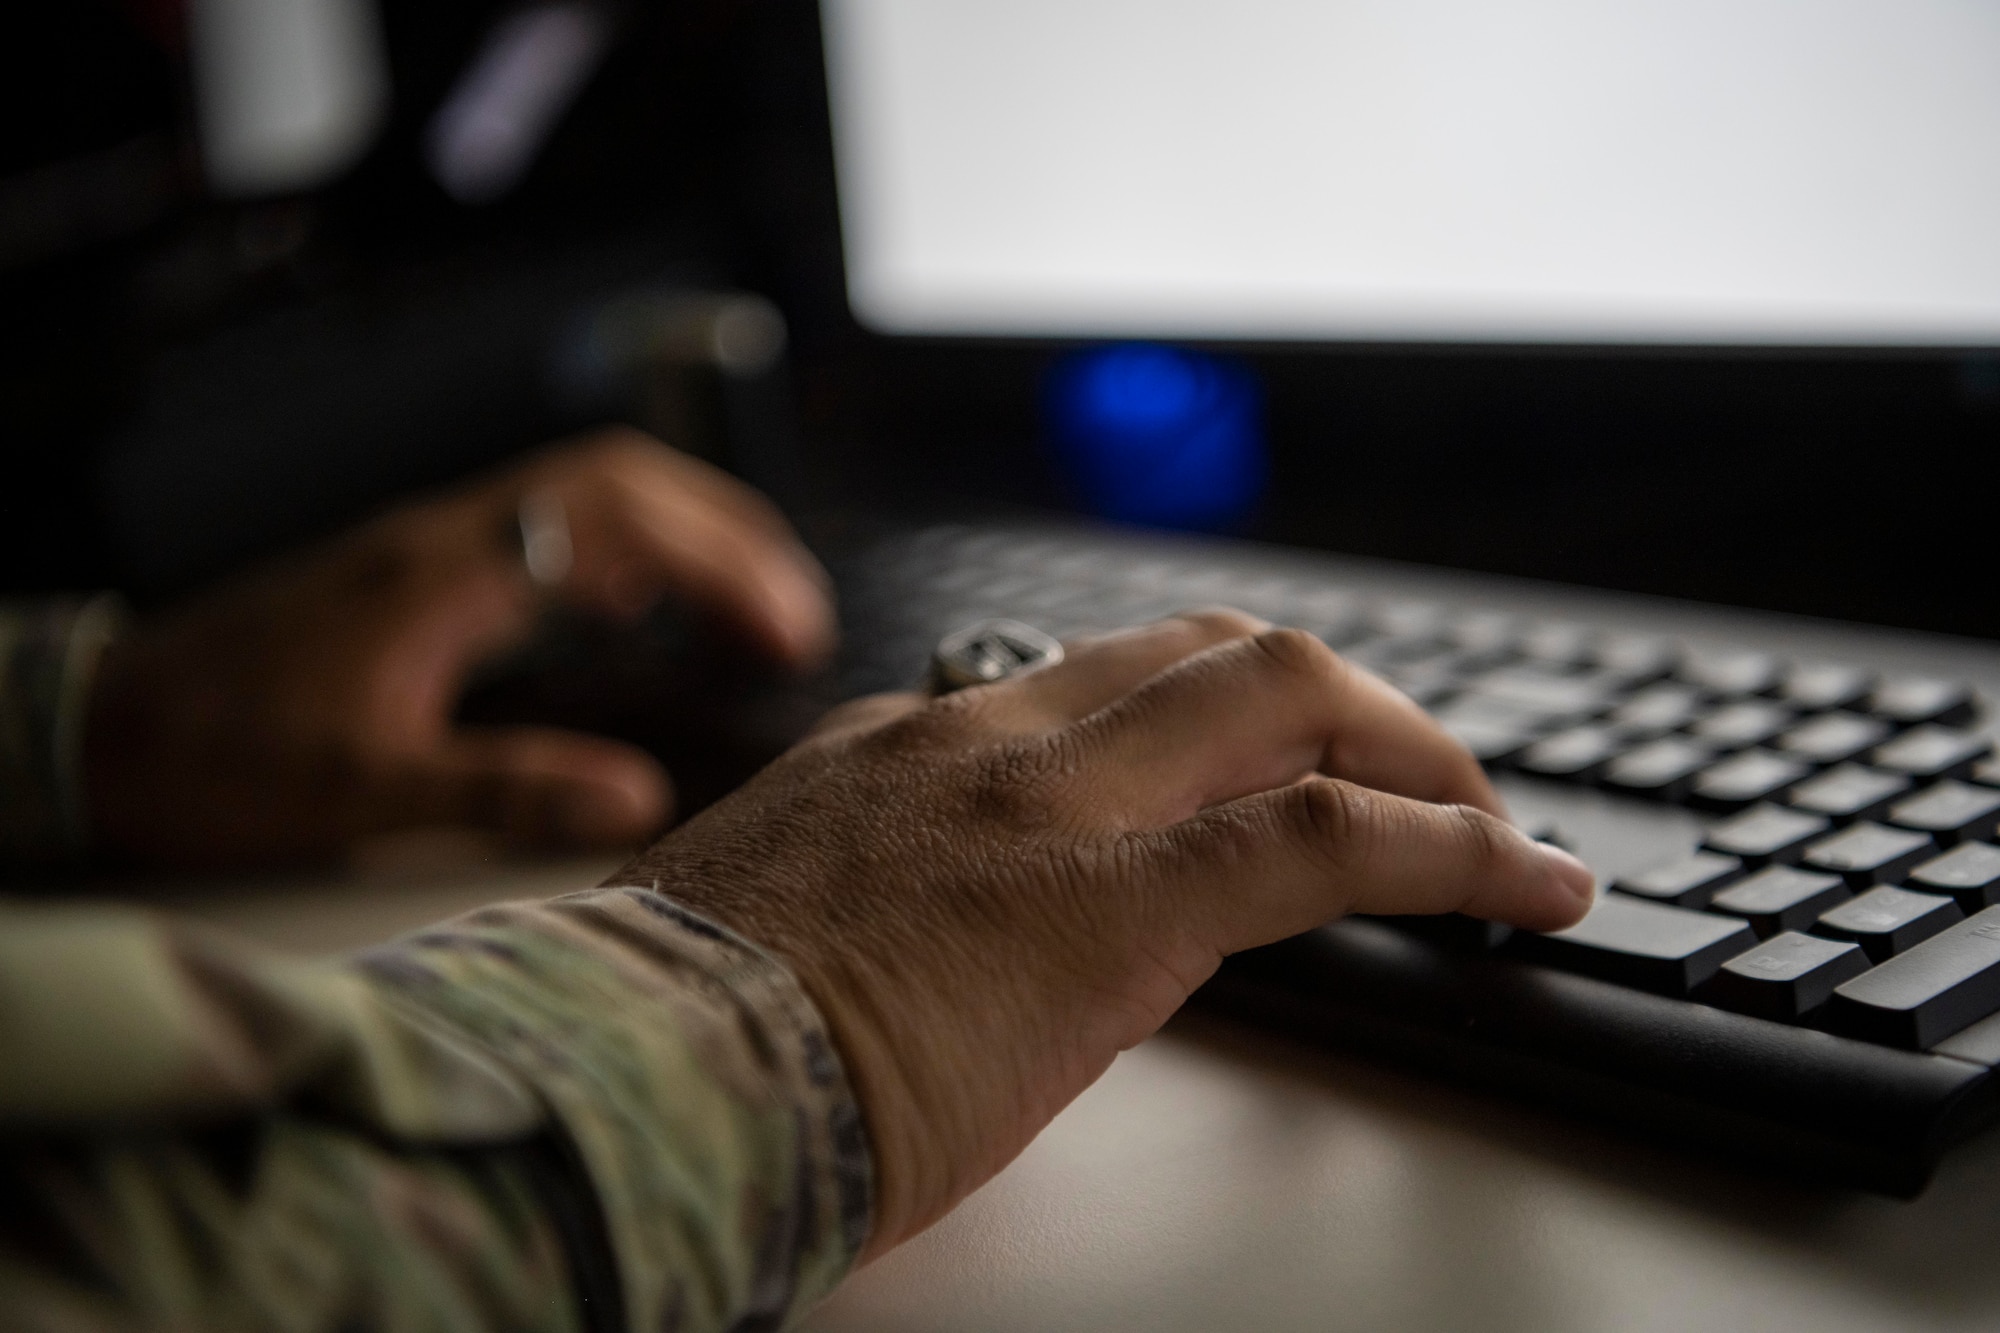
(990,894)
(309,704)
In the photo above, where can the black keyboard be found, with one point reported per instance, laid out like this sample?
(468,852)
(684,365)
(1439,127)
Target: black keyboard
(1796,956)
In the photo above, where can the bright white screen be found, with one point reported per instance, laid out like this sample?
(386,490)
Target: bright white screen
(1682,171)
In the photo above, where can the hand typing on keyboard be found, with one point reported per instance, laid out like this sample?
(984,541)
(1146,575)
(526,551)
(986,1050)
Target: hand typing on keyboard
(992,893)
(1797,958)
(1851,777)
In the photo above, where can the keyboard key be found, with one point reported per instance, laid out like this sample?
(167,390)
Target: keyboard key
(1689,881)
(1970,874)
(1663,768)
(1976,1043)
(1951,812)
(1560,642)
(1833,738)
(1986,773)
(1484,636)
(1765,834)
(1657,710)
(1329,607)
(1933,752)
(1412,620)
(1571,754)
(1634,658)
(1818,686)
(1730,673)
(1661,949)
(1850,792)
(1868,854)
(1491,742)
(1338,632)
(1739,726)
(1781,898)
(1275,599)
(1745,779)
(1428,680)
(1550,832)
(1916,1000)
(1786,977)
(1493,732)
(1885,921)
(1385,653)
(1909,700)
(1561,700)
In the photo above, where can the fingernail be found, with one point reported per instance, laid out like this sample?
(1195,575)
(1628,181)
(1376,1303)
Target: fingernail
(1572,874)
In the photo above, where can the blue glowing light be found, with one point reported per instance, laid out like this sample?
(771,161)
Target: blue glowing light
(1158,435)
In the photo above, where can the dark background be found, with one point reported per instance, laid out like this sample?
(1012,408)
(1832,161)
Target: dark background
(187,385)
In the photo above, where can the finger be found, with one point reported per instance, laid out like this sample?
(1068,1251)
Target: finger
(1271,865)
(658,522)
(538,786)
(720,488)
(767,585)
(1098,670)
(1260,712)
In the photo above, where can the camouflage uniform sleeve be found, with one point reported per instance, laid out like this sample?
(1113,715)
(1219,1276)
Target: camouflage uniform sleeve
(600,1112)
(48,655)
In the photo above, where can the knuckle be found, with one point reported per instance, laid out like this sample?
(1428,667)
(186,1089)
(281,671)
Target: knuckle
(1325,813)
(1485,842)
(1297,655)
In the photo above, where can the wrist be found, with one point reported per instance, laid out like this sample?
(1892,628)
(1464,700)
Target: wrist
(910,1080)
(906,1179)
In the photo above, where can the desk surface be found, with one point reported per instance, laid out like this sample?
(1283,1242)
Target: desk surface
(1217,1179)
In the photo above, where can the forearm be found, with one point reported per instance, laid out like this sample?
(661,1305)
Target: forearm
(597,1112)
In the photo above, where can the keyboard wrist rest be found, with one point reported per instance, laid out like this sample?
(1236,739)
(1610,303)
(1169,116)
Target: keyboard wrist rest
(1785,1098)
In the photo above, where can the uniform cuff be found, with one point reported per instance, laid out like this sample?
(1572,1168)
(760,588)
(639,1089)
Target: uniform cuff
(695,1080)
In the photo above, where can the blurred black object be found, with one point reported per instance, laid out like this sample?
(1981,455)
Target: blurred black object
(676,684)
(191,382)
(306,417)
(704,369)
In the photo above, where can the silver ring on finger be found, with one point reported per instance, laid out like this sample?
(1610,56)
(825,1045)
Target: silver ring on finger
(987,651)
(543,530)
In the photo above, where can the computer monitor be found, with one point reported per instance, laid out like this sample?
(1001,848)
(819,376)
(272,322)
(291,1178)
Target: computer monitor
(1673,296)
(1790,172)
